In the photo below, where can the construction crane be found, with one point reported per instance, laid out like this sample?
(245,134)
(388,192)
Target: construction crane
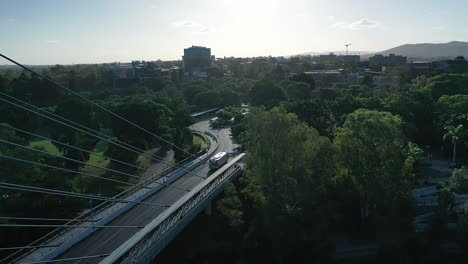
(347,45)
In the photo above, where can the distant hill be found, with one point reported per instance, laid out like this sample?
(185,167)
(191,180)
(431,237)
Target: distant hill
(427,51)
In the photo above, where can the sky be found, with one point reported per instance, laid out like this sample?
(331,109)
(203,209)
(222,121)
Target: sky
(96,31)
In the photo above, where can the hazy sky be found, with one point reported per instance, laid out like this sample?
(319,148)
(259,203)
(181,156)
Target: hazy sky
(88,31)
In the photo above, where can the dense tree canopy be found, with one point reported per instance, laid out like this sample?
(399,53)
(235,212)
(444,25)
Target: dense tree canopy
(266,93)
(371,148)
(293,164)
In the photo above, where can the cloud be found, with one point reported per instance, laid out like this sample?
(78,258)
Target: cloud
(186,24)
(364,24)
(197,28)
(339,25)
(52,41)
(11,20)
(357,25)
(153,6)
(204,30)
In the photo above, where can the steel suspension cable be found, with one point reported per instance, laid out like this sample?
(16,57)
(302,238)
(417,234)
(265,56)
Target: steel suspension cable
(91,134)
(7,218)
(87,174)
(89,130)
(67,170)
(77,148)
(19,187)
(69,159)
(28,247)
(73,226)
(67,259)
(93,103)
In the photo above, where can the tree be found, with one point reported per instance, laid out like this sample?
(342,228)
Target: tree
(298,91)
(454,134)
(206,100)
(452,109)
(278,73)
(414,151)
(371,147)
(292,164)
(302,77)
(367,80)
(215,72)
(266,93)
(459,181)
(229,98)
(230,206)
(414,154)
(80,112)
(447,84)
(193,88)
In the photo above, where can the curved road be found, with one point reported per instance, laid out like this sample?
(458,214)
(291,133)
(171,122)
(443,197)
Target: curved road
(105,240)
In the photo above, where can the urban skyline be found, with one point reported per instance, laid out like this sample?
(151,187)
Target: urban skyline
(124,31)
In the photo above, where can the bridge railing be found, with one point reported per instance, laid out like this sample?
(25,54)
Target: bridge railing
(148,242)
(99,212)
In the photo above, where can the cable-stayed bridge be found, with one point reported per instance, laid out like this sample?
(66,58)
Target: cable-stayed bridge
(135,225)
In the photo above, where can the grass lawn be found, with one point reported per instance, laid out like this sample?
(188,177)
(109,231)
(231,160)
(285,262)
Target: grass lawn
(100,148)
(98,161)
(200,139)
(47,146)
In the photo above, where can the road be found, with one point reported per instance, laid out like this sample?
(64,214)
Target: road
(105,240)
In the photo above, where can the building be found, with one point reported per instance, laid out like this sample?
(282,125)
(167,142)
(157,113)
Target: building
(379,61)
(337,59)
(197,61)
(122,75)
(327,76)
(419,68)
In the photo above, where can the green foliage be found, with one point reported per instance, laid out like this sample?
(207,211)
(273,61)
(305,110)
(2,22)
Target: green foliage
(215,72)
(452,109)
(371,147)
(414,151)
(266,93)
(298,91)
(367,80)
(302,77)
(455,135)
(230,206)
(292,164)
(459,181)
(447,84)
(418,110)
(34,90)
(278,73)
(206,100)
(215,92)
(46,145)
(413,155)
(193,88)
(150,113)
(251,193)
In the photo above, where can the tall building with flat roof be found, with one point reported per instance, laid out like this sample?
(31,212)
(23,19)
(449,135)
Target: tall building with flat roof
(197,60)
(391,60)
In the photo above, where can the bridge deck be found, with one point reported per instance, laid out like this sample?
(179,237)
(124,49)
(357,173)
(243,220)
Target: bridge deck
(104,241)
